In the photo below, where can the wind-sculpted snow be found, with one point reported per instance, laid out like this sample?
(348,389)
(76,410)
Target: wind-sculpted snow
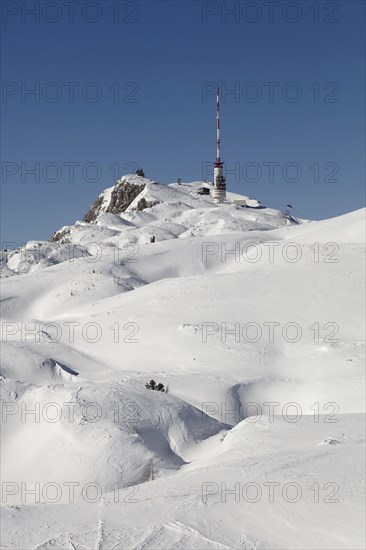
(254,325)
(264,485)
(112,431)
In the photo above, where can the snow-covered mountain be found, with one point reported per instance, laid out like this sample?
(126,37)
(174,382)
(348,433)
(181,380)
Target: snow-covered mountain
(134,210)
(254,322)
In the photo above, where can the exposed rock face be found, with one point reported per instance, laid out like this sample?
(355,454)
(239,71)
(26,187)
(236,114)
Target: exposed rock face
(60,234)
(114,200)
(122,196)
(94,210)
(143,203)
(118,199)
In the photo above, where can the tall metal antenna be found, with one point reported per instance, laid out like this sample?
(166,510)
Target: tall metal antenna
(217,127)
(219,190)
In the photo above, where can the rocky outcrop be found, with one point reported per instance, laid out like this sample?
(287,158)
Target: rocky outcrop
(122,196)
(60,234)
(114,200)
(94,210)
(143,203)
(117,199)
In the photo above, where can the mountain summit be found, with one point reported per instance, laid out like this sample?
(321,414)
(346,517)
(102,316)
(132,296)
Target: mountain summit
(118,198)
(176,210)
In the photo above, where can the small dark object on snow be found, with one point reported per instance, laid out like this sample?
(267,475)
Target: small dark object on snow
(140,172)
(152,240)
(203,191)
(152,385)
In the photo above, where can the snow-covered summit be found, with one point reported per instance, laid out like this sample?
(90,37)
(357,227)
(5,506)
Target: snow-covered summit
(137,209)
(171,211)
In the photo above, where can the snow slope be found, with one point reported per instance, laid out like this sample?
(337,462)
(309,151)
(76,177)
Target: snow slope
(256,326)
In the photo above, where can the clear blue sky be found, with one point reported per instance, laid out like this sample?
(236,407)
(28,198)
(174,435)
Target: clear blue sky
(162,55)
